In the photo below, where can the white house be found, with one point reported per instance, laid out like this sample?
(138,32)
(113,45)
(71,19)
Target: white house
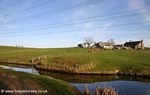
(104,45)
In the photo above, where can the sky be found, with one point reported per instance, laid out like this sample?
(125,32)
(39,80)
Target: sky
(65,23)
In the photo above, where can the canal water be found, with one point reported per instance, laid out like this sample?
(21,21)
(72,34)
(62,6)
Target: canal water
(124,85)
(26,69)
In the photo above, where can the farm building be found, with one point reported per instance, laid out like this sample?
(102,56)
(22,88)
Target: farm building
(82,45)
(119,46)
(134,44)
(104,45)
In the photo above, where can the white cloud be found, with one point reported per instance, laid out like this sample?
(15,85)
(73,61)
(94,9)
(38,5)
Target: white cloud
(3,19)
(108,24)
(7,19)
(80,12)
(22,7)
(141,8)
(75,14)
(14,11)
(88,25)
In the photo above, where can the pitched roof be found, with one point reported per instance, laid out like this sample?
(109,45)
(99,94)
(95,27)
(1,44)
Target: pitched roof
(133,43)
(118,45)
(104,43)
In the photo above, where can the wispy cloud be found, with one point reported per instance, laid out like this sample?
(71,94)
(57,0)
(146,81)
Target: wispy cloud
(141,8)
(3,23)
(107,24)
(4,19)
(88,25)
(22,7)
(80,12)
(76,13)
(11,14)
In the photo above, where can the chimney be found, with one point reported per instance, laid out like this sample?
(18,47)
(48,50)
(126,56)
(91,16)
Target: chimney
(142,44)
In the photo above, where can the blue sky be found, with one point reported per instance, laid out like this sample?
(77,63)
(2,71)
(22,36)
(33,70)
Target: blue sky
(65,23)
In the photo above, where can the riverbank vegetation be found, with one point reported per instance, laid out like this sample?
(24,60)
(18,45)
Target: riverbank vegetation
(101,91)
(80,59)
(12,80)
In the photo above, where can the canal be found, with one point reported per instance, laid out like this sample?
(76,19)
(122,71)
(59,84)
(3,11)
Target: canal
(125,85)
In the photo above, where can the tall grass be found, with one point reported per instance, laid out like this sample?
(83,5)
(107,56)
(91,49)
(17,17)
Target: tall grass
(100,91)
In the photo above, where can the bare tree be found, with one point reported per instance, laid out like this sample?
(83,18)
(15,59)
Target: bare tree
(111,41)
(88,41)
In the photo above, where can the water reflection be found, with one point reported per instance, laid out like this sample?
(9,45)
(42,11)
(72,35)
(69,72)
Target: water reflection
(22,69)
(123,87)
(72,78)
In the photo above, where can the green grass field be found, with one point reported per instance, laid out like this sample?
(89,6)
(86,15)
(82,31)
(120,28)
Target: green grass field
(124,60)
(12,80)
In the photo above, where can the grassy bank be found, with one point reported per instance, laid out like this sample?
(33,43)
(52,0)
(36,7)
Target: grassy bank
(12,80)
(102,60)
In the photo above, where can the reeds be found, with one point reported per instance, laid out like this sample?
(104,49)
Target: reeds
(106,91)
(100,91)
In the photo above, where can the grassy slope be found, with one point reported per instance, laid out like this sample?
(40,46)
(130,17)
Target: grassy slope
(24,81)
(102,60)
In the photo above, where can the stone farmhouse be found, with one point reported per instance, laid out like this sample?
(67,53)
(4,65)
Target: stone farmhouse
(134,44)
(109,45)
(104,45)
(119,46)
